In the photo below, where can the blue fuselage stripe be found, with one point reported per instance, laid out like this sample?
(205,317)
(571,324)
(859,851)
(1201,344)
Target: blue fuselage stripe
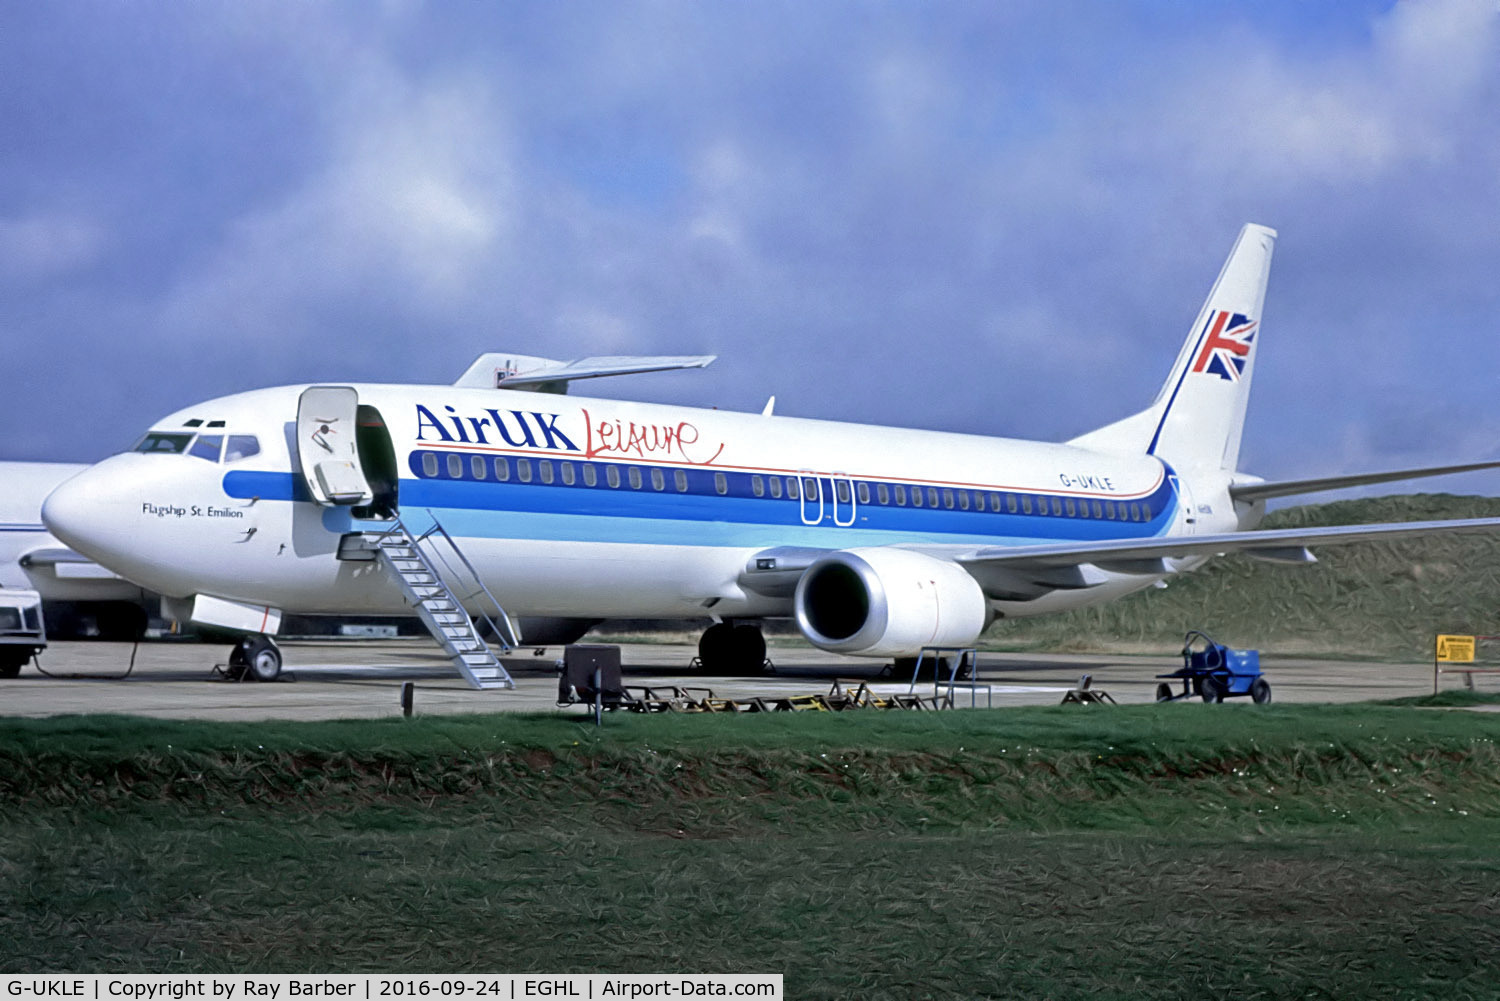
(512,510)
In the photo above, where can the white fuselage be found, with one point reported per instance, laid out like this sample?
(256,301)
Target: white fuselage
(569,506)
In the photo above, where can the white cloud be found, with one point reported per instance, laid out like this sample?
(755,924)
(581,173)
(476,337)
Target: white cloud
(412,203)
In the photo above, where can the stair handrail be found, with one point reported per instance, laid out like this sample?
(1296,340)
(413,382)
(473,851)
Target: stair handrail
(507,636)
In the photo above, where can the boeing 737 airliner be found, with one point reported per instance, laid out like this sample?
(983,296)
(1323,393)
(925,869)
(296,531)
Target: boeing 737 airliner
(501,494)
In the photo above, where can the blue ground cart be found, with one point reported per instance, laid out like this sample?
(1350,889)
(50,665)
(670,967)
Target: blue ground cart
(1214,672)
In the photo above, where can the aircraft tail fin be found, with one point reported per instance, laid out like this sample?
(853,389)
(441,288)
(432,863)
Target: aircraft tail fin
(1197,418)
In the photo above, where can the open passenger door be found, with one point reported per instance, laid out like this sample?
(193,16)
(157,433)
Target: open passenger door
(328,446)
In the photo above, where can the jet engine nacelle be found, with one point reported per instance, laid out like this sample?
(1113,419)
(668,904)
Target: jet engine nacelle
(882,602)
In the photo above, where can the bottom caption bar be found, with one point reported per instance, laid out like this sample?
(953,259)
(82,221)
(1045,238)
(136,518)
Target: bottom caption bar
(374,987)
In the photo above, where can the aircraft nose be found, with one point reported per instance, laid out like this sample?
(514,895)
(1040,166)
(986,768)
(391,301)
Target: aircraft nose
(77,512)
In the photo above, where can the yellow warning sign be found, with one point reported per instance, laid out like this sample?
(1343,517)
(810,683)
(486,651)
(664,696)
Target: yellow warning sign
(1455,649)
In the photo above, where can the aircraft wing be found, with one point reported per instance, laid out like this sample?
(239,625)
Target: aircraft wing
(1253,490)
(1275,543)
(1020,572)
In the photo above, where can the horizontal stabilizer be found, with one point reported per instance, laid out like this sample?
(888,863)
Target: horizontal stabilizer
(498,370)
(1251,491)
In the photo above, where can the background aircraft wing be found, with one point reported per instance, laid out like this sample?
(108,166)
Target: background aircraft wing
(82,577)
(67,564)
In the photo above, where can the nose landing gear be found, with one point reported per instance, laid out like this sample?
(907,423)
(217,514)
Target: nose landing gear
(256,657)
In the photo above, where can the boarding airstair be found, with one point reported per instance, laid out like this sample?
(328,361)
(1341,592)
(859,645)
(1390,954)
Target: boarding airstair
(413,560)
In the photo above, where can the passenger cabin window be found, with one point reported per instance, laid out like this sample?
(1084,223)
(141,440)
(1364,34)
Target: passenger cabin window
(883,493)
(208,446)
(612,475)
(841,491)
(948,499)
(479,467)
(932,496)
(658,479)
(792,492)
(241,446)
(776,487)
(502,469)
(429,464)
(679,480)
(634,472)
(721,483)
(864,493)
(544,466)
(164,442)
(758,485)
(455,467)
(900,495)
(916,496)
(568,475)
(523,470)
(590,475)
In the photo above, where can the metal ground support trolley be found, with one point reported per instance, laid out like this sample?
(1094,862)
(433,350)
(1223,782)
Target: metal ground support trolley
(1214,672)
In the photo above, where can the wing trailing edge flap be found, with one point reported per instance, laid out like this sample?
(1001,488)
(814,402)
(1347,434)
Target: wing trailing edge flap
(502,370)
(1024,582)
(1281,545)
(1250,491)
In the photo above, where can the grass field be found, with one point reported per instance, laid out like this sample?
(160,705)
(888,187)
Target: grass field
(1177,851)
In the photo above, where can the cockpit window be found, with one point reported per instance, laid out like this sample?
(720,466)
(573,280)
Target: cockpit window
(164,442)
(207,447)
(241,446)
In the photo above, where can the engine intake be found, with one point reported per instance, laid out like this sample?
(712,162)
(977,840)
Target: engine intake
(882,602)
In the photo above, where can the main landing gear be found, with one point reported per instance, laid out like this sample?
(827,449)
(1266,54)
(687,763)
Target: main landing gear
(256,657)
(729,649)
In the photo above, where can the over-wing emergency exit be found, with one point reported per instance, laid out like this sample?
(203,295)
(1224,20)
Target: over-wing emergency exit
(491,502)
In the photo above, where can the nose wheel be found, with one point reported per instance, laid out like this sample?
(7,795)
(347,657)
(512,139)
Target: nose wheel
(255,657)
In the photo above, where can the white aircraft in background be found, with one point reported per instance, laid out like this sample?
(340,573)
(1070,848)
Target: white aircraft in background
(493,496)
(80,596)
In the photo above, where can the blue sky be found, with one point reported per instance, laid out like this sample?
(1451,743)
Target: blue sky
(990,217)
